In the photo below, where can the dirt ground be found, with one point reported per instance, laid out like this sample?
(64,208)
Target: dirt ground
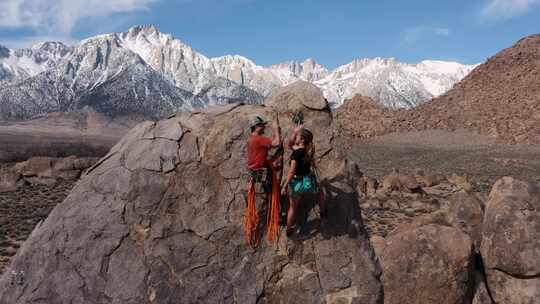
(479,158)
(21,210)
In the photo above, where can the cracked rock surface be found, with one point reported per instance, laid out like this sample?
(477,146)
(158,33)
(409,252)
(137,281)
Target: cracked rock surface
(429,264)
(511,241)
(159,220)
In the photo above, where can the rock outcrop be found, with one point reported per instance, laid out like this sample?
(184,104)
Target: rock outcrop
(9,179)
(466,214)
(430,264)
(511,242)
(43,171)
(159,220)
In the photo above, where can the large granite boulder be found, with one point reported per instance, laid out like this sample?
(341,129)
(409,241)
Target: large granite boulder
(159,220)
(465,213)
(432,264)
(511,242)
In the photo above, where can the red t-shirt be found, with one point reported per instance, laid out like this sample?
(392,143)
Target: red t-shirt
(257,151)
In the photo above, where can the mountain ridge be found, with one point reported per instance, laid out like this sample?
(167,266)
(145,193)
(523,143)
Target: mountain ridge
(194,80)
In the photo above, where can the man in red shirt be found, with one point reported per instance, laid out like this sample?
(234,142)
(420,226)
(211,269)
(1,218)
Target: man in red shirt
(258,146)
(260,175)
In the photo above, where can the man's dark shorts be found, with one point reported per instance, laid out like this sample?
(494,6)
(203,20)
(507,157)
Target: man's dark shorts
(262,179)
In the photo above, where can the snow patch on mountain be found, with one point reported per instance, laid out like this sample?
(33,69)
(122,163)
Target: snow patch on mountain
(394,84)
(17,65)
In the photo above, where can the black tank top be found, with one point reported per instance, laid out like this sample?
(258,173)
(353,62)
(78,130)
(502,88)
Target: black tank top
(302,166)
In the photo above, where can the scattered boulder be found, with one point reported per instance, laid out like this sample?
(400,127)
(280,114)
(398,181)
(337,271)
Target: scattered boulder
(159,220)
(43,171)
(426,179)
(36,166)
(435,218)
(511,241)
(461,181)
(9,179)
(430,264)
(396,181)
(390,182)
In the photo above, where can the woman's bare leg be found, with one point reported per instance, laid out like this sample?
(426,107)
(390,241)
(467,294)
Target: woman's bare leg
(291,214)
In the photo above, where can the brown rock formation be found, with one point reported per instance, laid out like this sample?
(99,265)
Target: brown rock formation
(511,242)
(159,220)
(430,264)
(465,213)
(362,117)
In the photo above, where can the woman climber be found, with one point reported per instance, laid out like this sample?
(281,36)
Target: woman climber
(301,182)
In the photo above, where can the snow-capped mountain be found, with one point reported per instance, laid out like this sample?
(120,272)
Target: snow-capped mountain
(148,72)
(395,84)
(308,70)
(119,75)
(17,65)
(390,82)
(101,73)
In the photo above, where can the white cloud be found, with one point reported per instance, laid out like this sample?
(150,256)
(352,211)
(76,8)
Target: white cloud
(506,9)
(415,34)
(61,16)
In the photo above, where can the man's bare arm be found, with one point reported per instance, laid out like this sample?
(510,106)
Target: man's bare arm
(276,132)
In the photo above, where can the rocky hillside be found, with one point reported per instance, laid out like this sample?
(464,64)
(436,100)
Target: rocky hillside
(500,98)
(363,117)
(145,71)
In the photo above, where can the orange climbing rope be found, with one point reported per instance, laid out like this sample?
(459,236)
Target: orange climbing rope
(251,218)
(273,214)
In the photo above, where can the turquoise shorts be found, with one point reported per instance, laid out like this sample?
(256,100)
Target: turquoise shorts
(300,185)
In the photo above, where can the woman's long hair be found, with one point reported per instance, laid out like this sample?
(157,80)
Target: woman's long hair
(307,136)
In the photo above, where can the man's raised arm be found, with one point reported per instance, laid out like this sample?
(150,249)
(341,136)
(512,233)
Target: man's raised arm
(276,132)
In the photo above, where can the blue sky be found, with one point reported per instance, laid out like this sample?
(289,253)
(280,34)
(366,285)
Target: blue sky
(271,31)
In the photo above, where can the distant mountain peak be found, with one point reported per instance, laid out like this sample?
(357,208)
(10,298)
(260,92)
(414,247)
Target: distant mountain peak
(145,28)
(4,51)
(48,45)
